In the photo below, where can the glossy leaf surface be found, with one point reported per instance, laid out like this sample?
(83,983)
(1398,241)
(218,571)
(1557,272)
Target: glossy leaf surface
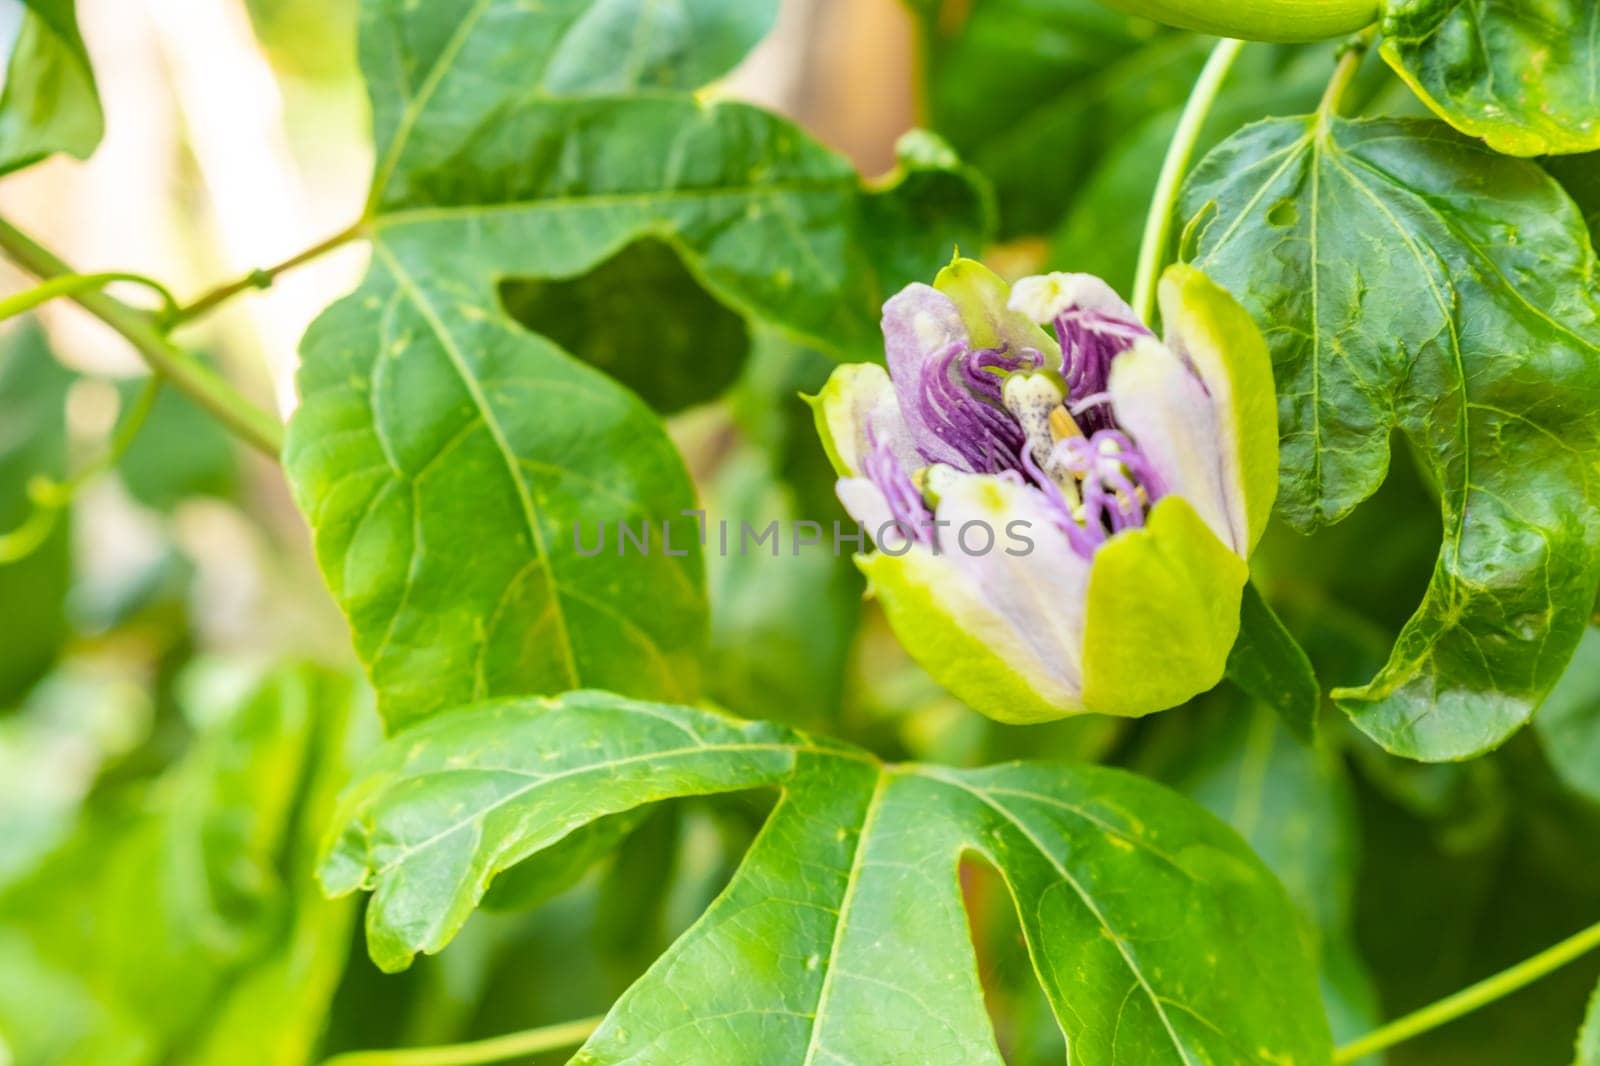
(842,935)
(1269,665)
(1398,293)
(1520,75)
(49,103)
(443,453)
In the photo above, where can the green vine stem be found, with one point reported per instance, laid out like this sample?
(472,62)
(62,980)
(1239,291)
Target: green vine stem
(1350,57)
(263,278)
(1472,997)
(50,497)
(1158,223)
(212,392)
(72,284)
(494,1049)
(1259,20)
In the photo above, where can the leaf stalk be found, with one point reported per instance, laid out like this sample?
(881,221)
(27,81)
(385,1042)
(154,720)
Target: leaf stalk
(263,277)
(1350,56)
(214,393)
(50,497)
(1472,997)
(494,1049)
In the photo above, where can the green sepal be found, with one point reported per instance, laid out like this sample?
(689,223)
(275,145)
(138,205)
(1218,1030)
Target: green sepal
(1163,613)
(1208,326)
(947,639)
(981,296)
(834,411)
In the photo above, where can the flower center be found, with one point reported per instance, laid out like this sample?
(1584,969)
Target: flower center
(1005,412)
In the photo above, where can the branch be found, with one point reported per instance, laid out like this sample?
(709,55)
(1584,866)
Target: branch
(212,392)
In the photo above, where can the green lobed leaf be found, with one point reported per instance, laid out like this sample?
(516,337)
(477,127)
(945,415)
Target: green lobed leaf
(1294,806)
(443,454)
(1269,665)
(1409,278)
(33,441)
(1569,722)
(842,935)
(49,103)
(449,464)
(1520,75)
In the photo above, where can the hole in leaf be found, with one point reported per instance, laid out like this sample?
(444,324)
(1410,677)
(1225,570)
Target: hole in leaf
(1283,213)
(642,318)
(1024,1025)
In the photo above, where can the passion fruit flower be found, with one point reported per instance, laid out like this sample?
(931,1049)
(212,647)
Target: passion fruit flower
(1062,505)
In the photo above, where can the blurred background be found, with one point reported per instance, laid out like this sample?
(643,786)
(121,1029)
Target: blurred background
(162,772)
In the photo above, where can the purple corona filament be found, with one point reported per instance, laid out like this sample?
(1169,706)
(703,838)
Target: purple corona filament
(959,396)
(1090,340)
(1078,537)
(906,506)
(966,414)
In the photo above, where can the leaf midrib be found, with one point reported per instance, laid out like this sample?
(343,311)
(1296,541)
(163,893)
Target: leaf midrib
(664,754)
(852,883)
(530,511)
(415,105)
(983,796)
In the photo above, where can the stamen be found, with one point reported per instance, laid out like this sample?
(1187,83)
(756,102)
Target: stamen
(1119,483)
(1062,426)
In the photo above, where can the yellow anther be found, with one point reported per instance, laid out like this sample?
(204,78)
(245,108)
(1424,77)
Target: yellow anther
(1062,426)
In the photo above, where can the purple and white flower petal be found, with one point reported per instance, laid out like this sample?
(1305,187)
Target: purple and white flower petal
(1104,447)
